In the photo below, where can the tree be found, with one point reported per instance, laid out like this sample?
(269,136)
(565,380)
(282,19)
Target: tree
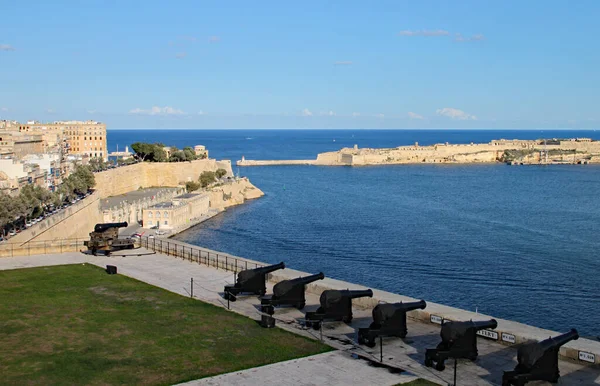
(189,153)
(152,152)
(207,178)
(220,172)
(177,156)
(191,186)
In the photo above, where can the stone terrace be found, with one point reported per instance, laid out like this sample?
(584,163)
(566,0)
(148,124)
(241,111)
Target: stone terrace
(338,368)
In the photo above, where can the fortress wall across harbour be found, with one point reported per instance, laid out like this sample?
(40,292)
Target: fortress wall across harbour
(578,150)
(583,351)
(125,179)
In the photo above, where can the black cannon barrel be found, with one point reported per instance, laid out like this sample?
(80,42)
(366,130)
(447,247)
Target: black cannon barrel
(421,304)
(353,294)
(103,227)
(483,324)
(307,279)
(269,268)
(560,340)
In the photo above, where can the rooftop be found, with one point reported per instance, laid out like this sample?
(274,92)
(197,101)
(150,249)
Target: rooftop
(187,195)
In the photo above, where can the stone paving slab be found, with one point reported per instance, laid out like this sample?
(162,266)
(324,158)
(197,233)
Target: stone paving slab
(332,369)
(174,274)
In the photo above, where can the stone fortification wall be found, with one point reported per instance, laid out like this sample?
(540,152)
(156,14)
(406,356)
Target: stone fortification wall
(148,174)
(75,221)
(507,332)
(232,193)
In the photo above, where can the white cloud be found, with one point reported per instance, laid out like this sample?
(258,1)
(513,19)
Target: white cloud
(426,33)
(460,38)
(329,113)
(200,112)
(380,115)
(157,111)
(181,55)
(356,114)
(4,109)
(50,111)
(214,39)
(307,113)
(412,115)
(6,47)
(455,114)
(91,111)
(343,63)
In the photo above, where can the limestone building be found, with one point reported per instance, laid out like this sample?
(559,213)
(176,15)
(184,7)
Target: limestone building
(176,213)
(80,138)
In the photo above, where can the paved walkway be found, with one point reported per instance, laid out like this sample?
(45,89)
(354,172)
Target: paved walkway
(336,368)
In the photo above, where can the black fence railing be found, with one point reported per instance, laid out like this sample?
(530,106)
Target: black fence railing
(197,255)
(40,247)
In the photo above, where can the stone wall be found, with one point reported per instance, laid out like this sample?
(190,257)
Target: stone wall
(75,221)
(153,174)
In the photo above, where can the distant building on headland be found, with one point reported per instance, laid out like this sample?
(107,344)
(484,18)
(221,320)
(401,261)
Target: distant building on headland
(177,212)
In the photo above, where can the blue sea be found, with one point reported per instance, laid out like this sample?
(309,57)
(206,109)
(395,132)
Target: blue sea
(515,242)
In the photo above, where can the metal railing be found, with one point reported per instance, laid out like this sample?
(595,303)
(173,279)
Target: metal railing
(40,247)
(197,255)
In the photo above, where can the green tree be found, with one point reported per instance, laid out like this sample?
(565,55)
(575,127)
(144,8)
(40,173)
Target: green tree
(191,186)
(207,178)
(152,152)
(220,172)
(189,153)
(177,156)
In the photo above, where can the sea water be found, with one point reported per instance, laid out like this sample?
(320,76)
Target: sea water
(515,242)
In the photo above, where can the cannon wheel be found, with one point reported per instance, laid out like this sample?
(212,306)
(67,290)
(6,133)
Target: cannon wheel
(316,325)
(94,252)
(347,319)
(428,362)
(371,343)
(440,366)
(300,305)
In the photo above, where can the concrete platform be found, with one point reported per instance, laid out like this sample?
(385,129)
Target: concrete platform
(174,274)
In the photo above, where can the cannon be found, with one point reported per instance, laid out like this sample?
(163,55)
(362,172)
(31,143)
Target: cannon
(459,340)
(290,292)
(336,305)
(105,237)
(538,361)
(251,281)
(388,320)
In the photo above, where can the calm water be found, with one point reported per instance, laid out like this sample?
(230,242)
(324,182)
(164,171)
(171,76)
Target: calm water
(519,243)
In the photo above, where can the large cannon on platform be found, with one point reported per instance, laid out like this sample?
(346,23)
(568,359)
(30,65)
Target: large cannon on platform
(336,305)
(251,281)
(538,361)
(459,340)
(388,320)
(105,237)
(290,292)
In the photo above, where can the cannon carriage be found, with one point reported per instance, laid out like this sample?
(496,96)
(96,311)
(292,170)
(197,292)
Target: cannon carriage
(388,320)
(290,292)
(336,305)
(538,361)
(251,281)
(459,340)
(105,237)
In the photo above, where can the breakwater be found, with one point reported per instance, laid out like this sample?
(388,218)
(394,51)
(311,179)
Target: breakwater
(510,333)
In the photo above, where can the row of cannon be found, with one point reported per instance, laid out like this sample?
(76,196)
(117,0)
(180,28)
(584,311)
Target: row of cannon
(536,361)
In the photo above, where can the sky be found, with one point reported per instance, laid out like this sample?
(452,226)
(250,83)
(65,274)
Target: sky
(302,64)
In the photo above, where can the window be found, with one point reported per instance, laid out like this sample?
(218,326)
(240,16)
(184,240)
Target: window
(157,214)
(149,214)
(166,222)
(166,214)
(149,222)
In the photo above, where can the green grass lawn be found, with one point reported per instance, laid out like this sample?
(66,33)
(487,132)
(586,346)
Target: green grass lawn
(76,325)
